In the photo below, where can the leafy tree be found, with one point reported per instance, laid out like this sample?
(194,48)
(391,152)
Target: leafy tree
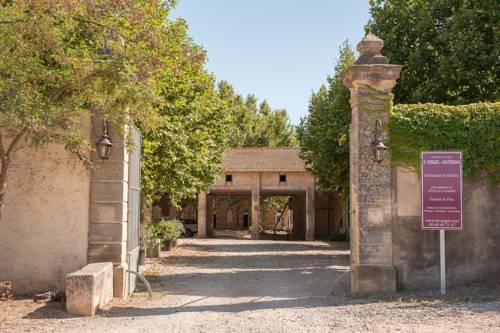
(183,154)
(449,49)
(324,133)
(256,126)
(264,108)
(242,113)
(61,59)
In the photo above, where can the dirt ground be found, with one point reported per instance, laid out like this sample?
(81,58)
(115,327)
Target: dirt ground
(224,285)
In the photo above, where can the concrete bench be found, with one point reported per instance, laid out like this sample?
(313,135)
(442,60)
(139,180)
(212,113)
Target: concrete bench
(89,288)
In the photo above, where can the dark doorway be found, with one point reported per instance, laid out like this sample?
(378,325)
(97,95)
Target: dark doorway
(245,220)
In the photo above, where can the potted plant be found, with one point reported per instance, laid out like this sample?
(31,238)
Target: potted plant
(169,231)
(150,240)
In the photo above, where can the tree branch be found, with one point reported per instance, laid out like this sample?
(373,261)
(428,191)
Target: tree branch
(13,21)
(15,142)
(104,27)
(3,156)
(3,170)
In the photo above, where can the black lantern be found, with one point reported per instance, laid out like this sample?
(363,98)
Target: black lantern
(104,145)
(378,146)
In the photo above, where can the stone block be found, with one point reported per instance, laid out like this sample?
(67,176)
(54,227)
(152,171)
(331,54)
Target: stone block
(120,281)
(377,214)
(108,191)
(107,232)
(378,234)
(372,279)
(110,170)
(89,288)
(104,212)
(114,252)
(374,172)
(374,193)
(375,254)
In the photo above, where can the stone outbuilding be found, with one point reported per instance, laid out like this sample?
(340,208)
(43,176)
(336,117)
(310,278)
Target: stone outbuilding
(252,175)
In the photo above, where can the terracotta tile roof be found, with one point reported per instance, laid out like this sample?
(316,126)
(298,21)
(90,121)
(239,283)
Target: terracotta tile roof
(263,159)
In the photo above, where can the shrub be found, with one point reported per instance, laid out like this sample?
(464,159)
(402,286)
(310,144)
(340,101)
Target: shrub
(169,229)
(473,129)
(148,234)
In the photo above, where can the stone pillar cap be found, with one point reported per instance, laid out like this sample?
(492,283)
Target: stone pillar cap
(369,50)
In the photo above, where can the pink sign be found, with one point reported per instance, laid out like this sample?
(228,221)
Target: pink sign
(441,178)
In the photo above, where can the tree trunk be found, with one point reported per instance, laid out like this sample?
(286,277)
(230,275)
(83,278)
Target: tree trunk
(3,183)
(5,158)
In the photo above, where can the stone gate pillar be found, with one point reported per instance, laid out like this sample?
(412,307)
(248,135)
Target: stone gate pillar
(310,212)
(256,213)
(210,215)
(202,215)
(370,81)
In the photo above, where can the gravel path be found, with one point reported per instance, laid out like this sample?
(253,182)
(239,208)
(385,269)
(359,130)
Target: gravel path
(222,285)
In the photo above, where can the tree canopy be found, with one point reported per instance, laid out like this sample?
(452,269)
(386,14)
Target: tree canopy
(62,60)
(324,132)
(255,125)
(449,49)
(198,122)
(59,60)
(183,154)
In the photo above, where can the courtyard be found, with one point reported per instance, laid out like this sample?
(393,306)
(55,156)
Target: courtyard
(218,285)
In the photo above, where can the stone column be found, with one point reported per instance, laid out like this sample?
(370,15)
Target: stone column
(202,215)
(254,229)
(370,81)
(210,215)
(108,208)
(310,212)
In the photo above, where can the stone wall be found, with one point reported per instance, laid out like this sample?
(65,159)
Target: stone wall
(294,179)
(44,227)
(472,255)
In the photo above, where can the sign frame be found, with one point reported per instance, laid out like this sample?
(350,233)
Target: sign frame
(422,224)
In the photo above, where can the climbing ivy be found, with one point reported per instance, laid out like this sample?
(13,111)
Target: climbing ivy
(473,129)
(374,101)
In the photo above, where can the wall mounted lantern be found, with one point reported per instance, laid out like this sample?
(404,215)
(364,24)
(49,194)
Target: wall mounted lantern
(378,146)
(104,145)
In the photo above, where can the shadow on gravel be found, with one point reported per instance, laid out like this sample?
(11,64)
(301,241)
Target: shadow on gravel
(270,246)
(302,303)
(51,310)
(258,261)
(289,283)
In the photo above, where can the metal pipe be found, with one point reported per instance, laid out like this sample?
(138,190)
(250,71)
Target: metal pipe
(143,279)
(442,261)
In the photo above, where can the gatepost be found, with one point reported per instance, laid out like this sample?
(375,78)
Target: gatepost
(370,80)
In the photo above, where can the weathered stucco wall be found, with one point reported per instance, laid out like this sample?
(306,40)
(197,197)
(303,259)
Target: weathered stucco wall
(268,178)
(44,228)
(472,255)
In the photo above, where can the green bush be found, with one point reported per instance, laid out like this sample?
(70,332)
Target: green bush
(148,234)
(169,229)
(473,129)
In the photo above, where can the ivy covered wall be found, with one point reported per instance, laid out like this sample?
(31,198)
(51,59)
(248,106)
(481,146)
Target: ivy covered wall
(473,129)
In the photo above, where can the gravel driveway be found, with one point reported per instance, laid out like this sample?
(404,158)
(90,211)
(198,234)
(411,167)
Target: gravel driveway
(223,285)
